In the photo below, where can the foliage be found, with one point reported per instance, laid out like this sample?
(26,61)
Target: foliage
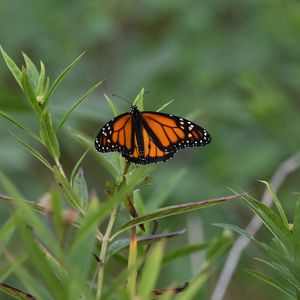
(61,261)
(284,250)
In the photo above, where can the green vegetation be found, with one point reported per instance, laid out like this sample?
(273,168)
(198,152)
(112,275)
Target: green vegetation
(65,230)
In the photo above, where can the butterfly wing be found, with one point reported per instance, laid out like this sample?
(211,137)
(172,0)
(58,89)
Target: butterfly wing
(171,133)
(116,135)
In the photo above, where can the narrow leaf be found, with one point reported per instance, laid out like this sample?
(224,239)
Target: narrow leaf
(112,106)
(14,122)
(271,281)
(16,72)
(164,106)
(80,188)
(173,210)
(277,203)
(16,293)
(139,100)
(76,167)
(132,265)
(41,82)
(34,152)
(29,92)
(60,77)
(32,72)
(151,271)
(81,99)
(121,244)
(48,135)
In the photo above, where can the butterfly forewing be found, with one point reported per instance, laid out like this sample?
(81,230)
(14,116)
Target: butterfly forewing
(116,135)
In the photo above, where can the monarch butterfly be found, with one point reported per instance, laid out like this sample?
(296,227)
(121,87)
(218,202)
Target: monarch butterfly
(149,137)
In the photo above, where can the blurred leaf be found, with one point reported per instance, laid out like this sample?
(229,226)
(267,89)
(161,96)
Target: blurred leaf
(106,161)
(16,72)
(183,251)
(172,210)
(271,281)
(76,167)
(16,293)
(277,203)
(139,100)
(32,72)
(151,271)
(80,188)
(283,271)
(6,231)
(112,106)
(34,152)
(14,122)
(164,106)
(132,265)
(48,135)
(121,244)
(81,99)
(60,77)
(62,181)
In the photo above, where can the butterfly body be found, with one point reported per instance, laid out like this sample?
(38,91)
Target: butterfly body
(149,137)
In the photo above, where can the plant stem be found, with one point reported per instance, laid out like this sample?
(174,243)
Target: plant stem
(104,248)
(106,239)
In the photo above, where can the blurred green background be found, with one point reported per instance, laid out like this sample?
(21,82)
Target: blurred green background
(232,66)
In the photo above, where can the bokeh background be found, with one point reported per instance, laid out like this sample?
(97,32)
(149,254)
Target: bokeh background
(232,66)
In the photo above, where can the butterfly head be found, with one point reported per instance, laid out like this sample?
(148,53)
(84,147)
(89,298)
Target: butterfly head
(134,111)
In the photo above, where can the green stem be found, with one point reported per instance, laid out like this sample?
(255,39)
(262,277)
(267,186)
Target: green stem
(106,240)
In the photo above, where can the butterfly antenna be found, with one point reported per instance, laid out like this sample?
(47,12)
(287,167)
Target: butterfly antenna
(117,95)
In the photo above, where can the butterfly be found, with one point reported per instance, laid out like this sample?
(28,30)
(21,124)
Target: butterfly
(145,137)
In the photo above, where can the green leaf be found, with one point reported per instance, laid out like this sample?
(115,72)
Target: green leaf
(81,99)
(164,106)
(6,231)
(48,135)
(14,122)
(277,203)
(76,167)
(183,251)
(107,161)
(32,72)
(271,281)
(16,293)
(41,82)
(112,106)
(34,152)
(139,100)
(12,67)
(123,243)
(271,220)
(132,265)
(29,92)
(151,271)
(80,188)
(172,210)
(60,77)
(285,272)
(63,182)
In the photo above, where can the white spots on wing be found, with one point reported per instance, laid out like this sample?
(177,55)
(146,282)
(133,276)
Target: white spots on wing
(190,135)
(190,128)
(182,127)
(182,123)
(108,140)
(180,119)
